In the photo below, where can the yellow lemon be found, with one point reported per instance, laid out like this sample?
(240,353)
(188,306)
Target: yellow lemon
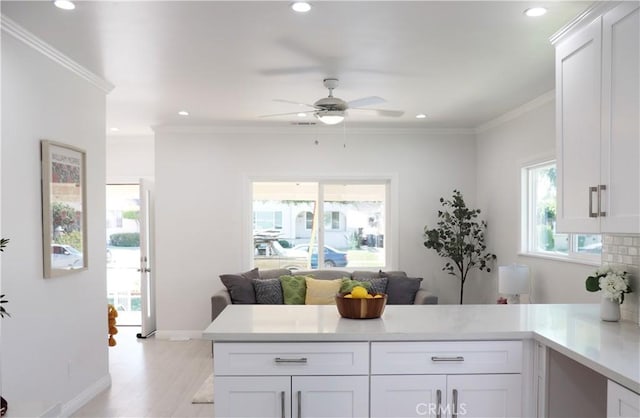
(369,296)
(377,297)
(348,296)
(359,292)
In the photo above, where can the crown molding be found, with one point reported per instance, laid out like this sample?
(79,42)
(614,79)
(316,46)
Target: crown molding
(517,112)
(306,130)
(594,11)
(12,28)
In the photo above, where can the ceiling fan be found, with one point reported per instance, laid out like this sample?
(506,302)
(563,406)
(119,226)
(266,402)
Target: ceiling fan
(332,110)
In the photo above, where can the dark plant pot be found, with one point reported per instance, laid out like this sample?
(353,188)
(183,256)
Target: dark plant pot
(3,406)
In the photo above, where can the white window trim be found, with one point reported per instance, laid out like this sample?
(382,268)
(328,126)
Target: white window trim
(526,213)
(392,242)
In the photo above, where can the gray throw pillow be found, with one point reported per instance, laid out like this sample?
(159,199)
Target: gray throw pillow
(378,284)
(268,291)
(240,286)
(402,290)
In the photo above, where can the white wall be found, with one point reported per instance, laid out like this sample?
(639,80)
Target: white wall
(129,158)
(199,200)
(54,347)
(502,150)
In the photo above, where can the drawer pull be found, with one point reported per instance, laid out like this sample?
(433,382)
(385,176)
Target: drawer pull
(301,360)
(457,358)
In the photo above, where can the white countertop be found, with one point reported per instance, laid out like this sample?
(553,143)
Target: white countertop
(610,348)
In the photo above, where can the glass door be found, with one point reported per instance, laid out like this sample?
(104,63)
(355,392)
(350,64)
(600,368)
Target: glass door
(123,252)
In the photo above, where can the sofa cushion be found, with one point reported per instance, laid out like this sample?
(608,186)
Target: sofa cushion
(294,289)
(321,292)
(268,291)
(365,274)
(377,284)
(273,273)
(324,274)
(392,273)
(401,290)
(240,286)
(348,284)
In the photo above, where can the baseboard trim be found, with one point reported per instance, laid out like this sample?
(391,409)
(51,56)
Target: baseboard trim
(179,335)
(70,407)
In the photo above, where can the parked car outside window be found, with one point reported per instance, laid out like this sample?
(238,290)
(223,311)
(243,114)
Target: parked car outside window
(332,257)
(65,257)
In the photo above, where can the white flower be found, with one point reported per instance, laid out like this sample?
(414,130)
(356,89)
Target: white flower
(613,285)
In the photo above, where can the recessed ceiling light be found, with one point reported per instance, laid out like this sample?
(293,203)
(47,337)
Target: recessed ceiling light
(64,4)
(301,6)
(421,116)
(535,11)
(302,115)
(183,113)
(114,129)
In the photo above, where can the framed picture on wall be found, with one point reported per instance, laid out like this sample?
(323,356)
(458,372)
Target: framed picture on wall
(64,214)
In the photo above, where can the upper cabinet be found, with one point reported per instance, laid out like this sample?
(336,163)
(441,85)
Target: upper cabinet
(598,123)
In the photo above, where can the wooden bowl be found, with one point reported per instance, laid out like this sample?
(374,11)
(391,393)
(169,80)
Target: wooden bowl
(361,308)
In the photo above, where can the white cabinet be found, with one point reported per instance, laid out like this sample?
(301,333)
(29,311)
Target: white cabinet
(414,379)
(597,125)
(621,402)
(291,380)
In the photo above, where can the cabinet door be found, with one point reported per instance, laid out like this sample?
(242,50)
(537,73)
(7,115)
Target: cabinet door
(485,395)
(620,119)
(408,396)
(248,396)
(578,80)
(330,396)
(621,402)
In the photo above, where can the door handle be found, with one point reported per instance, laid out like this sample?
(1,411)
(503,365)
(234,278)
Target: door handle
(299,404)
(454,412)
(282,409)
(439,403)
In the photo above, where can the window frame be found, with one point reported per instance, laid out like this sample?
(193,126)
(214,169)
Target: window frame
(527,222)
(390,182)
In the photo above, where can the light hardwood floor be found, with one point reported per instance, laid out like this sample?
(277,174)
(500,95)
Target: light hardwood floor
(153,378)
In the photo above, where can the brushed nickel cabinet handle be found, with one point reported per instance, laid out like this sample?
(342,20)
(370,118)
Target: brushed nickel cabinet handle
(593,190)
(282,413)
(439,403)
(438,359)
(601,188)
(301,360)
(454,412)
(299,404)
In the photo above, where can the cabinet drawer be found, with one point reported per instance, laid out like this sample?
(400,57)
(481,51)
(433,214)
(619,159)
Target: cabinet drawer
(238,359)
(446,357)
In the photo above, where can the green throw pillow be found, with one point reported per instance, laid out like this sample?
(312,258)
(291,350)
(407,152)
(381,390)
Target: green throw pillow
(294,289)
(348,285)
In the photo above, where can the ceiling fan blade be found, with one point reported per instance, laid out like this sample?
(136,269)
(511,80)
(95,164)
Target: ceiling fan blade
(291,70)
(366,101)
(296,103)
(285,114)
(383,112)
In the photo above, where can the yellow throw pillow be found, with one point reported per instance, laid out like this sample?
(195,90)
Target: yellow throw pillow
(321,292)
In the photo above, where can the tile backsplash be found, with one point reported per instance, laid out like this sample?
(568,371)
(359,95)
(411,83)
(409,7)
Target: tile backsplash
(624,251)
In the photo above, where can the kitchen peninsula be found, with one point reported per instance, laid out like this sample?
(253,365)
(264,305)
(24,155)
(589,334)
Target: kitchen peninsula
(488,360)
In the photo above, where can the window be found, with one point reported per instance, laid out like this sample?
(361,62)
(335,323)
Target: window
(539,219)
(347,218)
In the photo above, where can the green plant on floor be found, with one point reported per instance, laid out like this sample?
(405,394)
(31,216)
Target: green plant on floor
(460,237)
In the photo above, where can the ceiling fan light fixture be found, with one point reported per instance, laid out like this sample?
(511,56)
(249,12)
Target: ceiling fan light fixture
(301,6)
(64,4)
(330,117)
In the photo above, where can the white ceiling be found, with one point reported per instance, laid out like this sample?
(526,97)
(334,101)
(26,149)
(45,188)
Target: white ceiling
(461,63)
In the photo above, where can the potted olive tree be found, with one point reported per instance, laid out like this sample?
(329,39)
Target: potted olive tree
(459,236)
(3,313)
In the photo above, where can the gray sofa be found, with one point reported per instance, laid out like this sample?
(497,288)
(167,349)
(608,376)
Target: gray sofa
(222,298)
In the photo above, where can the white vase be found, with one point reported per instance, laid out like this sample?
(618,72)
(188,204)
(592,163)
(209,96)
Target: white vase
(609,310)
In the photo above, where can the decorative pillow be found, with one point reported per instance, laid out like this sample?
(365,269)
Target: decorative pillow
(348,285)
(294,289)
(240,286)
(402,290)
(268,291)
(378,285)
(321,292)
